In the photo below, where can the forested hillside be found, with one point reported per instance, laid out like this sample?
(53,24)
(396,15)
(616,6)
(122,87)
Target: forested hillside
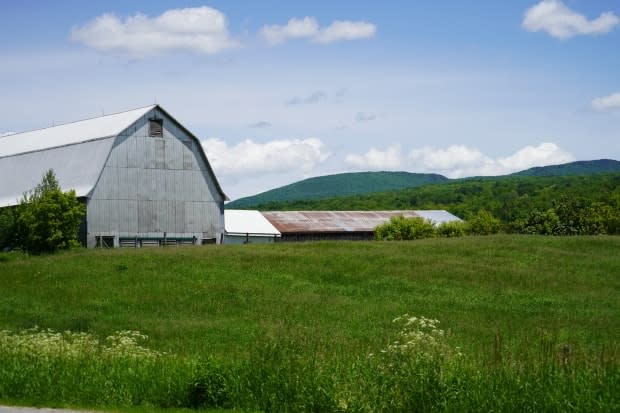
(511,199)
(361,183)
(339,185)
(574,168)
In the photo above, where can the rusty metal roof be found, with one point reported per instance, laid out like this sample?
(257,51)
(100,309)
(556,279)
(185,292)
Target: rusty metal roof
(331,221)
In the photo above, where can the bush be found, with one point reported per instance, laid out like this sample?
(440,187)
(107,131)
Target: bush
(539,222)
(48,219)
(452,229)
(7,228)
(210,387)
(483,223)
(400,228)
(611,219)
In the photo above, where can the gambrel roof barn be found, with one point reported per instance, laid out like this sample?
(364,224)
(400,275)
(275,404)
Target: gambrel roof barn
(143,176)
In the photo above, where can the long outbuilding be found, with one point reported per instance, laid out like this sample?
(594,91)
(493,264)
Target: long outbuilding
(144,177)
(342,225)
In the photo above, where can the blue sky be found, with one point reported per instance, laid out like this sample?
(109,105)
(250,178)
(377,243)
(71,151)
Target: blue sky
(278,90)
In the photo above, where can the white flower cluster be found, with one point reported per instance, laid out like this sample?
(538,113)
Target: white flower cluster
(48,344)
(418,335)
(125,344)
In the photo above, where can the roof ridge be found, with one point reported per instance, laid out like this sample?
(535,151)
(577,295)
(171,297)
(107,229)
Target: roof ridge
(80,120)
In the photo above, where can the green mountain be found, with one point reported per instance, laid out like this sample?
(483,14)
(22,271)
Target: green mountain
(333,188)
(328,186)
(509,198)
(573,168)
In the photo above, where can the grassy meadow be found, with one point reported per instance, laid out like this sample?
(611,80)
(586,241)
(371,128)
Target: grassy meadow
(525,323)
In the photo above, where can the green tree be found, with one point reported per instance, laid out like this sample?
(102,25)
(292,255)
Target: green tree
(400,228)
(610,217)
(47,218)
(452,229)
(7,228)
(539,222)
(483,223)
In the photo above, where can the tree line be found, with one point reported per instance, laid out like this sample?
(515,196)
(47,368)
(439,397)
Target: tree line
(558,205)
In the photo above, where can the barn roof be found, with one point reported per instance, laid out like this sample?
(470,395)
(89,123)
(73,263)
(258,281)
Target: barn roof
(70,133)
(77,167)
(241,221)
(437,216)
(76,151)
(343,221)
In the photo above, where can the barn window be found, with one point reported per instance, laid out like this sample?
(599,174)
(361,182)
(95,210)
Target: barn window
(156,127)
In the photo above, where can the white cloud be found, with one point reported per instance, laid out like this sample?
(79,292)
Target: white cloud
(460,161)
(308,28)
(455,158)
(375,159)
(3,134)
(607,102)
(292,155)
(199,30)
(555,18)
(346,30)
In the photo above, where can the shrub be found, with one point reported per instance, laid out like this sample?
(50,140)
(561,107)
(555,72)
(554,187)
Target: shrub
(483,223)
(7,228)
(539,222)
(611,219)
(400,228)
(452,229)
(47,218)
(210,387)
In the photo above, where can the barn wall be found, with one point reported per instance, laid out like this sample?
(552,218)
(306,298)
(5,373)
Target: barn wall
(155,185)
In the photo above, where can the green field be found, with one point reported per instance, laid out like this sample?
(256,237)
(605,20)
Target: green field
(537,320)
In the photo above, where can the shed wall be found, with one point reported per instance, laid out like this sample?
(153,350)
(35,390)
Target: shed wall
(155,185)
(249,239)
(327,236)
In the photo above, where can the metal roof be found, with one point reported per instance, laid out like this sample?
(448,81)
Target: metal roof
(240,221)
(70,133)
(438,216)
(332,221)
(76,151)
(76,167)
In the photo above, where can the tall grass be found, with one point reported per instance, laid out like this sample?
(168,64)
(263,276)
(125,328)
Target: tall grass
(418,371)
(75,368)
(527,324)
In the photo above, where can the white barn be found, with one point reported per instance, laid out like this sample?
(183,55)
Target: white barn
(144,178)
